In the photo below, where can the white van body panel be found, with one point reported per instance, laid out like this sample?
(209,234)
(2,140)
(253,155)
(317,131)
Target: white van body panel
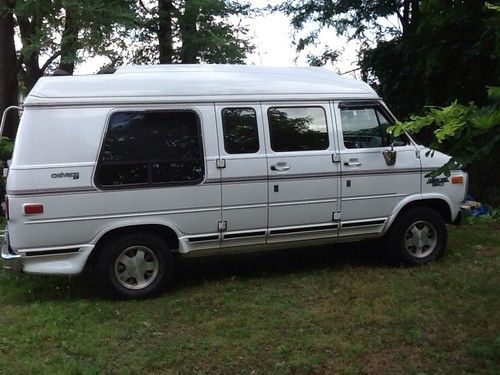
(242,202)
(453,194)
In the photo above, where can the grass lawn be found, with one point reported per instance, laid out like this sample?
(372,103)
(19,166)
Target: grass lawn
(335,309)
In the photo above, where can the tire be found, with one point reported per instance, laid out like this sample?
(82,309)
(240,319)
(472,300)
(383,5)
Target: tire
(134,266)
(417,237)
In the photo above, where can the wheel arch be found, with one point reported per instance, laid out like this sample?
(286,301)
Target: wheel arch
(440,204)
(166,232)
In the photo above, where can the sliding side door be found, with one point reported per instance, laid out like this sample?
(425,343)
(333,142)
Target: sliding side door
(303,172)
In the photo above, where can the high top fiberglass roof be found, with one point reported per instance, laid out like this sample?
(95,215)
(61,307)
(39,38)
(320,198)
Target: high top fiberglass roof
(182,83)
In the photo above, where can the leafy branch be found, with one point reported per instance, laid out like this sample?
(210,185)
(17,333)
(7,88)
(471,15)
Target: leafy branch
(468,132)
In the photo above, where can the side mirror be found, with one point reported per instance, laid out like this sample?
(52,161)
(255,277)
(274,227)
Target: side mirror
(390,156)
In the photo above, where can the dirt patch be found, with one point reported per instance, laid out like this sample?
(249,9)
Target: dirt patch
(392,360)
(485,251)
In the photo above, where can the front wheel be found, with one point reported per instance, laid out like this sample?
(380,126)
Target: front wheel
(418,236)
(134,266)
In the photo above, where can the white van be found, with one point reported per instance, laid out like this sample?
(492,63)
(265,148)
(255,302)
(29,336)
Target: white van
(119,172)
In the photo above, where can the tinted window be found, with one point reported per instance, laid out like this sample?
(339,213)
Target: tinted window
(366,128)
(240,130)
(156,147)
(401,140)
(297,128)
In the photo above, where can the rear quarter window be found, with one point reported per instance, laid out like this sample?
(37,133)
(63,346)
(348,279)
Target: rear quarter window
(149,148)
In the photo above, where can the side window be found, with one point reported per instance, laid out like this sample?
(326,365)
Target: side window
(366,128)
(241,135)
(297,128)
(151,148)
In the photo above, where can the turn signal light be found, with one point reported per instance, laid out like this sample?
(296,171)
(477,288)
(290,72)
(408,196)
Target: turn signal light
(457,180)
(31,209)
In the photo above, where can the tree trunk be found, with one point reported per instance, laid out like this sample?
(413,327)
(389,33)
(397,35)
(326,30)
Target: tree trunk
(165,36)
(32,71)
(187,23)
(9,90)
(406,16)
(69,41)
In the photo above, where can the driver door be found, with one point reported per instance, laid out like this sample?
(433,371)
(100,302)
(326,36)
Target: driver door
(370,188)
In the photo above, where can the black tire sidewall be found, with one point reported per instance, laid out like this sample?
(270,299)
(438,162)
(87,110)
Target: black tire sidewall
(400,227)
(105,265)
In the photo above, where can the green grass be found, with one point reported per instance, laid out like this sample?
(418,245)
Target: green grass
(328,310)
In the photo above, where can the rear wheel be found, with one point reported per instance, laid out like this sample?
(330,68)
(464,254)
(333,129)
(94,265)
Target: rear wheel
(418,236)
(134,266)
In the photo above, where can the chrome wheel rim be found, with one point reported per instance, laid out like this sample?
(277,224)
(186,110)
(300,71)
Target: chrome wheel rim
(420,239)
(136,267)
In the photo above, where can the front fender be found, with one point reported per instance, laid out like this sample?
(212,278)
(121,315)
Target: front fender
(419,199)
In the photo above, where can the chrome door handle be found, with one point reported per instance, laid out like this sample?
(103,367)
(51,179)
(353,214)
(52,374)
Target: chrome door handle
(352,163)
(280,167)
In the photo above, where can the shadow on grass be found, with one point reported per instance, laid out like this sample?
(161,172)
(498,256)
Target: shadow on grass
(21,289)
(191,271)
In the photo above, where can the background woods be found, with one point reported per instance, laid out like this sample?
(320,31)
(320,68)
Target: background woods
(414,53)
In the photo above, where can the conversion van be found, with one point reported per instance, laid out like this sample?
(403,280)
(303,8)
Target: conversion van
(118,173)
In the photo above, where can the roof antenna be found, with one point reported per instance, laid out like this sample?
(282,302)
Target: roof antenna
(60,72)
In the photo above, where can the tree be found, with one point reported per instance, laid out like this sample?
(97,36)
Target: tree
(8,60)
(187,32)
(364,20)
(52,33)
(57,32)
(469,133)
(428,52)
(449,57)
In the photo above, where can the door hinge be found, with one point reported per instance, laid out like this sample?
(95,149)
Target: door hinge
(222,226)
(220,163)
(335,158)
(336,216)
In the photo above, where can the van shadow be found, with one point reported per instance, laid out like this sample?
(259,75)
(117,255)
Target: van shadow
(193,271)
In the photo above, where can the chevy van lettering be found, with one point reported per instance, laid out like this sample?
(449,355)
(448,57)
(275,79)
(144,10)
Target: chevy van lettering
(435,181)
(73,175)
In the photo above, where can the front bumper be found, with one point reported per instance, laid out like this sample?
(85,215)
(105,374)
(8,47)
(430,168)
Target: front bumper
(11,260)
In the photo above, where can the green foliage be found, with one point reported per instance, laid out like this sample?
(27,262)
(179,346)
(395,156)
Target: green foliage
(490,218)
(468,132)
(427,52)
(199,31)
(6,147)
(451,54)
(57,32)
(357,19)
